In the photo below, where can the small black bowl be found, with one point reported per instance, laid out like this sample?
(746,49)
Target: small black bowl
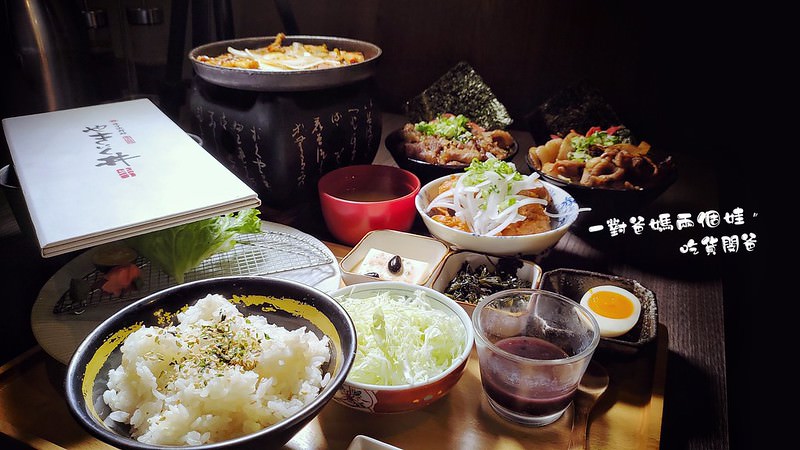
(285,303)
(573,283)
(607,203)
(424,170)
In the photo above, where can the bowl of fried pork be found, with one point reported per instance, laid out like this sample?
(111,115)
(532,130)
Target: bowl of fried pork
(492,208)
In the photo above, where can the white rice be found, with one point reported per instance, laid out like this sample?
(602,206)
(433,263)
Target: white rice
(214,376)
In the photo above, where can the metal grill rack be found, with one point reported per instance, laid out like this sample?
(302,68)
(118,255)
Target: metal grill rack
(264,253)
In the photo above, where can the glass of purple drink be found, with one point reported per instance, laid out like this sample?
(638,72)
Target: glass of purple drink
(533,348)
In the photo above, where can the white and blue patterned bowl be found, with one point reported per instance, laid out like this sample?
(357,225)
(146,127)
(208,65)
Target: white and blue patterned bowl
(531,244)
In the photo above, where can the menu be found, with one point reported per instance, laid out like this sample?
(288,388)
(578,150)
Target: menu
(102,173)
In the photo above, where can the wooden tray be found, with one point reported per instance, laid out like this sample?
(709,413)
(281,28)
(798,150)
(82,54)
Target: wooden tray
(628,416)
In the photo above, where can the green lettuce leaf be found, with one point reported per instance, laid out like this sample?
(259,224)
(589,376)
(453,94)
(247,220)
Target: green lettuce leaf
(179,249)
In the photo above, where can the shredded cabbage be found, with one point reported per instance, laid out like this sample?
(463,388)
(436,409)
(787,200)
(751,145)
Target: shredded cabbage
(401,339)
(486,197)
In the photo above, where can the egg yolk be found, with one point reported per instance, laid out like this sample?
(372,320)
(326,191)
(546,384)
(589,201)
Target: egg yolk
(611,305)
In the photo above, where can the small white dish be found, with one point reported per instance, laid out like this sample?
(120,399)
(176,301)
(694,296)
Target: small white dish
(362,442)
(423,254)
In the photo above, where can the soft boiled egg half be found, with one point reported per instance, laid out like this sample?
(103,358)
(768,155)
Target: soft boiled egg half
(615,309)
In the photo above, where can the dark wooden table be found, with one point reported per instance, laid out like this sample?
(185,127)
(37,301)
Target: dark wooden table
(689,290)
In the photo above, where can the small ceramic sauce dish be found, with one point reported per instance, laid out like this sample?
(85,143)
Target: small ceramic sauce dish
(389,255)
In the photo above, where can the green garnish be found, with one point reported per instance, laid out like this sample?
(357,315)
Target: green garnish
(450,127)
(581,144)
(476,174)
(507,203)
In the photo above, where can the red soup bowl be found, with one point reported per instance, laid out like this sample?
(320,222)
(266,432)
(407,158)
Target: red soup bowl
(403,339)
(358,199)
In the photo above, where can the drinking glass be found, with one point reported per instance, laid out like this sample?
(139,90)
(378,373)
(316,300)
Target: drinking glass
(533,348)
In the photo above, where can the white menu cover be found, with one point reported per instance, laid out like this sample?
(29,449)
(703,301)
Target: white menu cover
(106,172)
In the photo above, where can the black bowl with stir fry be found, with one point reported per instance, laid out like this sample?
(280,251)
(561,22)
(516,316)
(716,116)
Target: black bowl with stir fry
(447,145)
(605,170)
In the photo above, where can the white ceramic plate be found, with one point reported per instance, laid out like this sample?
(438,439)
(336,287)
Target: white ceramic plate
(60,334)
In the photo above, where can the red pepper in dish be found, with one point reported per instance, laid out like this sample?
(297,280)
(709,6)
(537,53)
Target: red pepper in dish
(120,278)
(593,130)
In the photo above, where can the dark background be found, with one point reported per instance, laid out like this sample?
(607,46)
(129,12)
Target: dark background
(700,82)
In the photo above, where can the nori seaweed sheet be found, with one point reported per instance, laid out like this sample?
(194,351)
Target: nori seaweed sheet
(577,107)
(459,91)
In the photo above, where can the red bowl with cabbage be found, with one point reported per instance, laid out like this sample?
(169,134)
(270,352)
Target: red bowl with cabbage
(434,379)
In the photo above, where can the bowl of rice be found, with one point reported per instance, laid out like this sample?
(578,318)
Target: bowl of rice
(492,208)
(233,362)
(413,346)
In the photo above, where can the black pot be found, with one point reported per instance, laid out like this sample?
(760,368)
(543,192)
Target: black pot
(281,143)
(281,131)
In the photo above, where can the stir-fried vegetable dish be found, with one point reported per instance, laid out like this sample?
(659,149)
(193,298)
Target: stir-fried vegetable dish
(600,158)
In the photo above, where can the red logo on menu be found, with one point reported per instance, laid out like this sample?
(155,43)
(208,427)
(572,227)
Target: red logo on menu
(126,172)
(128,139)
